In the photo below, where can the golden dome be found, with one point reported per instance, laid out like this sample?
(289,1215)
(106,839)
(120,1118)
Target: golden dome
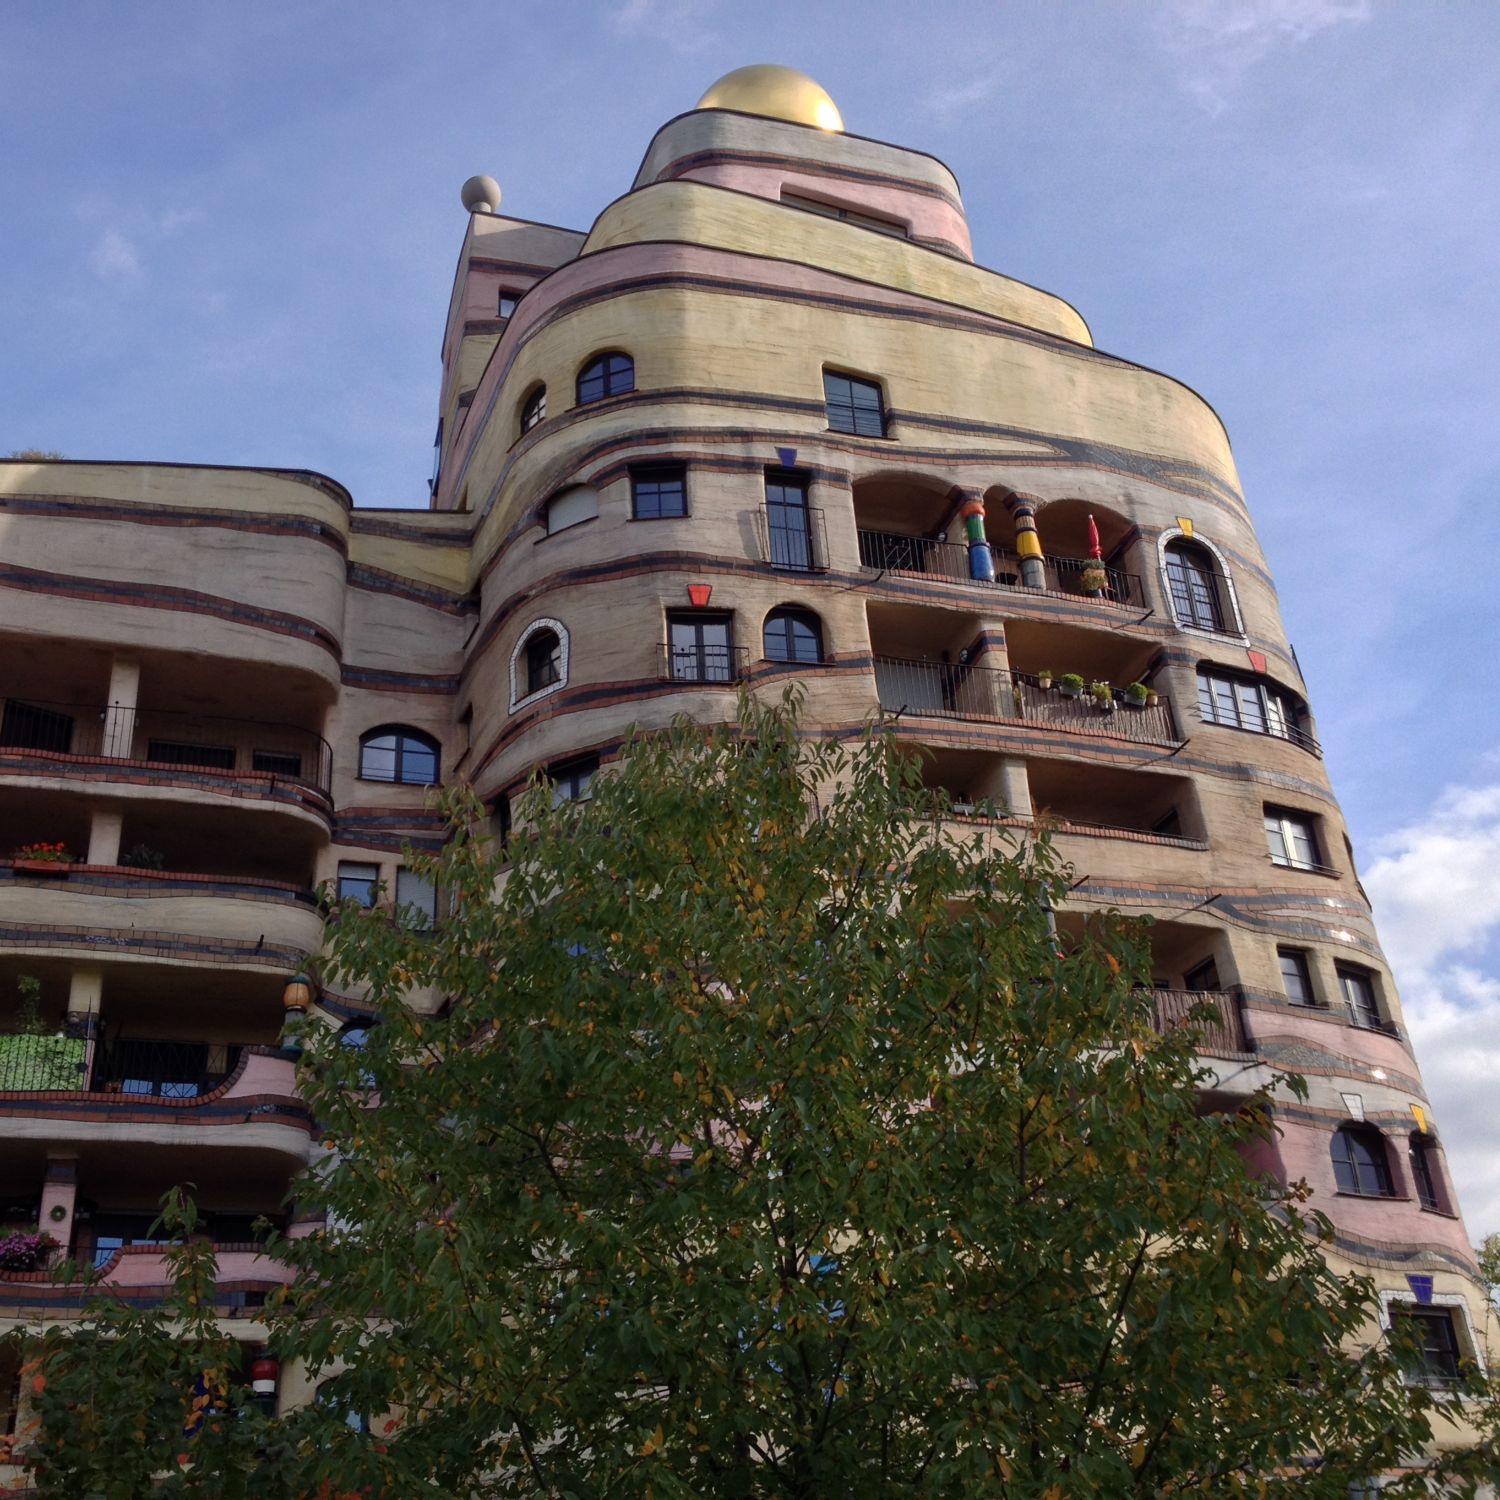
(781,93)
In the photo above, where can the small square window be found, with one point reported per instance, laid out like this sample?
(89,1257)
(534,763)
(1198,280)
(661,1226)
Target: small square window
(357,882)
(853,405)
(276,762)
(1296,976)
(1291,839)
(658,492)
(416,900)
(573,781)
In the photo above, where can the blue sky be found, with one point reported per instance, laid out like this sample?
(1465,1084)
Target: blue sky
(228,235)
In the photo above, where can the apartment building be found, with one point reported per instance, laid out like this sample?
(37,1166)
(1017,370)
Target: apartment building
(766,419)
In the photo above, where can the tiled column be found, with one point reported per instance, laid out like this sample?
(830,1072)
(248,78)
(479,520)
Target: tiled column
(104,836)
(1015,788)
(85,991)
(60,1198)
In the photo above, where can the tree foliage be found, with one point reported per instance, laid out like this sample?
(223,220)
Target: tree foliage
(771,1147)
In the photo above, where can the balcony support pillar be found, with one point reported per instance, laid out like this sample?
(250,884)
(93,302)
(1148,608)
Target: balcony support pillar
(85,991)
(104,836)
(120,706)
(59,1198)
(1015,787)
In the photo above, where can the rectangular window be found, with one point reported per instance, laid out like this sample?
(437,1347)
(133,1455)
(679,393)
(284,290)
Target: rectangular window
(1291,839)
(507,304)
(170,753)
(1296,977)
(849,215)
(699,648)
(573,781)
(789,534)
(1204,979)
(853,405)
(1436,1358)
(1358,989)
(276,762)
(357,882)
(1252,704)
(416,899)
(658,492)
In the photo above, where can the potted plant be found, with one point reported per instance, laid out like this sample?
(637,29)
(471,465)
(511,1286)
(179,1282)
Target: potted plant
(1136,694)
(1104,697)
(43,859)
(143,857)
(1094,578)
(1044,679)
(1070,685)
(25,1249)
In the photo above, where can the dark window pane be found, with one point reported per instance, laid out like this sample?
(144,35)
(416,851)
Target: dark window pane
(399,755)
(277,762)
(1204,978)
(1359,996)
(1194,585)
(699,649)
(659,492)
(1359,1162)
(543,661)
(609,375)
(793,635)
(1295,977)
(853,405)
(788,523)
(1424,1174)
(357,882)
(535,409)
(170,753)
(23,727)
(1436,1356)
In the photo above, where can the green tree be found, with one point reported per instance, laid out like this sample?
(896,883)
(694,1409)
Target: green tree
(771,1147)
(36,455)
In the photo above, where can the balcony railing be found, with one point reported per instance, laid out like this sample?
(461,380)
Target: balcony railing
(793,537)
(162,737)
(959,691)
(706,664)
(147,1068)
(892,552)
(38,1063)
(1221,1035)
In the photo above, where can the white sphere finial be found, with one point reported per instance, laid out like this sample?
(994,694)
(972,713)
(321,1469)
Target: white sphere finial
(481,195)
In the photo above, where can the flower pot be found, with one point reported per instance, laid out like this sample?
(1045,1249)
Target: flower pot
(1069,692)
(53,867)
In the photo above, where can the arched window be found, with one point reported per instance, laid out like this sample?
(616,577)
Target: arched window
(396,753)
(607,375)
(1425,1172)
(539,663)
(329,1395)
(1198,588)
(793,635)
(1360,1164)
(355,1034)
(534,408)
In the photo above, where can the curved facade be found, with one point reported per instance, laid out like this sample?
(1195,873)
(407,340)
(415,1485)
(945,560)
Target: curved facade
(765,419)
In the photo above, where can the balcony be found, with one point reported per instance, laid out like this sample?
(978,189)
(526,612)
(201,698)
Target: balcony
(197,745)
(948,562)
(987,694)
(793,537)
(706,664)
(1220,1035)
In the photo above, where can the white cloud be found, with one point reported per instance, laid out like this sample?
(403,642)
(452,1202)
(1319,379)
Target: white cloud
(115,258)
(1435,885)
(953,99)
(680,24)
(1216,42)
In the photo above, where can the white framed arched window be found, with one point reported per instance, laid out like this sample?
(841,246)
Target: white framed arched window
(539,662)
(1198,584)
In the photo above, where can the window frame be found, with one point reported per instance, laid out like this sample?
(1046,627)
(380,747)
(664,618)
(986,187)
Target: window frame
(1225,700)
(855,384)
(522,694)
(793,615)
(401,733)
(572,780)
(1298,958)
(699,621)
(507,294)
(426,903)
(533,410)
(654,474)
(1361,996)
(1293,823)
(542,670)
(613,380)
(1203,590)
(780,549)
(1352,1180)
(346,882)
(1426,1176)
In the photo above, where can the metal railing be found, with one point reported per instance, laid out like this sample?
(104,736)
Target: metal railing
(1277,727)
(793,537)
(163,737)
(893,552)
(41,1062)
(1222,1034)
(144,1067)
(705,664)
(957,690)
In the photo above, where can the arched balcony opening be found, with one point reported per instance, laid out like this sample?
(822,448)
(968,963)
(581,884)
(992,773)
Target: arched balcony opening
(907,523)
(1072,568)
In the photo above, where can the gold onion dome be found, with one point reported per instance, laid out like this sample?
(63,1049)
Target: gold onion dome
(780,93)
